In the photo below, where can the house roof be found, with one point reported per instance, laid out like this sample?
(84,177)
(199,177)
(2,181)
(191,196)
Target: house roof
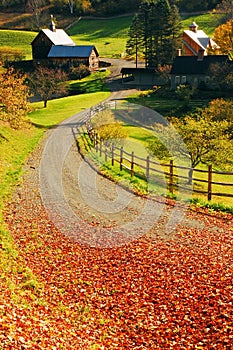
(200,38)
(57,37)
(191,65)
(64,51)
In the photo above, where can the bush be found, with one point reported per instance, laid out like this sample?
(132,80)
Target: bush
(79,72)
(8,54)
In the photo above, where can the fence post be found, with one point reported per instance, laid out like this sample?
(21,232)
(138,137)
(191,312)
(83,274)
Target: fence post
(170,185)
(112,154)
(96,141)
(101,146)
(106,150)
(147,167)
(209,182)
(132,165)
(121,158)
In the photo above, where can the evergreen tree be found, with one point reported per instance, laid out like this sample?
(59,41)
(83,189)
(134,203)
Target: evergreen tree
(134,44)
(154,32)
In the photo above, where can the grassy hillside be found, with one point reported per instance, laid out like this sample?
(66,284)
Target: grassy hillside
(108,35)
(18,39)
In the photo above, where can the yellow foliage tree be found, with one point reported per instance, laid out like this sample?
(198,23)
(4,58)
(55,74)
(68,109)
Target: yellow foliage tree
(14,93)
(108,127)
(223,36)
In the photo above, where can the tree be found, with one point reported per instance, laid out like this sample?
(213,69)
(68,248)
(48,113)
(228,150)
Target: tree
(134,44)
(159,29)
(226,7)
(48,83)
(204,140)
(223,36)
(220,110)
(35,7)
(221,75)
(107,127)
(74,6)
(14,95)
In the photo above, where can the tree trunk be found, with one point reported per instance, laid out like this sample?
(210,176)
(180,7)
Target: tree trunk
(45,103)
(190,176)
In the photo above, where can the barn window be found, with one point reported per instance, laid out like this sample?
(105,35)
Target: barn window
(177,80)
(183,79)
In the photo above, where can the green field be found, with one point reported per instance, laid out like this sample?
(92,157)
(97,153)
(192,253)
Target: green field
(206,22)
(18,39)
(136,142)
(108,35)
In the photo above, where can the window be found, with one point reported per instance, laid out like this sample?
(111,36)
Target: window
(177,80)
(183,79)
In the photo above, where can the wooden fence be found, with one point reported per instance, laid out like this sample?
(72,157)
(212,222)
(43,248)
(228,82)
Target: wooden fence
(148,169)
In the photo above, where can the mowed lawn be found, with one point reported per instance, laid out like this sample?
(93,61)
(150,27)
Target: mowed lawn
(108,35)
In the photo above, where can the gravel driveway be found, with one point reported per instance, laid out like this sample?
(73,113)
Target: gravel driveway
(76,195)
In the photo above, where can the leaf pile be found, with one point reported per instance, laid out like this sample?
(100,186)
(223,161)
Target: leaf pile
(174,293)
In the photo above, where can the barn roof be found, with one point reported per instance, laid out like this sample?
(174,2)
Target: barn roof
(191,65)
(199,37)
(57,37)
(63,51)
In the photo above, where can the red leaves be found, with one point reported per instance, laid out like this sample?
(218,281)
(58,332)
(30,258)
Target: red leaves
(151,294)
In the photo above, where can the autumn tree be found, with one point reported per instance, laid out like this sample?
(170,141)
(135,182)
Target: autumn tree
(204,140)
(107,127)
(222,109)
(14,98)
(74,6)
(48,83)
(223,36)
(221,75)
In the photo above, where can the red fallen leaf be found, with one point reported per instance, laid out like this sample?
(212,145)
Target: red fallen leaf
(149,294)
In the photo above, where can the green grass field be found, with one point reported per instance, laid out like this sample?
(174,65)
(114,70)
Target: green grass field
(206,22)
(18,39)
(108,35)
(137,143)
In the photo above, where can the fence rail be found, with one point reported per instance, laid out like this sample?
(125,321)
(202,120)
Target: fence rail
(132,163)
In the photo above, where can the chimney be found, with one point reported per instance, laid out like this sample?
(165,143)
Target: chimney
(193,27)
(52,26)
(200,54)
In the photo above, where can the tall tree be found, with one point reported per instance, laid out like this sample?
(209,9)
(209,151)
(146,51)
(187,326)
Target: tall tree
(159,30)
(134,44)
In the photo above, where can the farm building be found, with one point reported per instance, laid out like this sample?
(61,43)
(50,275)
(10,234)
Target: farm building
(141,77)
(195,41)
(194,70)
(54,47)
